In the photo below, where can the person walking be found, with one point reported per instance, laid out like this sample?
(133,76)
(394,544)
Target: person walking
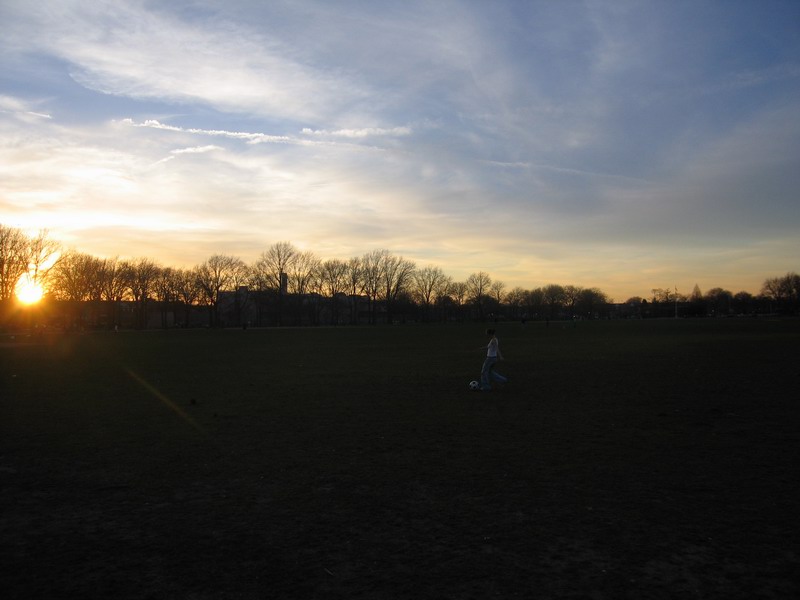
(493,354)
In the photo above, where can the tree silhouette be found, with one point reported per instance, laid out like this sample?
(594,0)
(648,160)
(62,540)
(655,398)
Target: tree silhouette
(478,290)
(213,276)
(15,254)
(87,284)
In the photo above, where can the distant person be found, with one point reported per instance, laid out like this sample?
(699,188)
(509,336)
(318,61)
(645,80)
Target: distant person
(493,354)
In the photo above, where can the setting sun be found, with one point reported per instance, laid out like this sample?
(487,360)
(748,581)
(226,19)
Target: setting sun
(28,291)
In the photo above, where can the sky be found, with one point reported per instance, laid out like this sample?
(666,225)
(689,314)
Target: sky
(622,145)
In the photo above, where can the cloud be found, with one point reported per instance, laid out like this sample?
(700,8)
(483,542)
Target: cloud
(193,150)
(196,150)
(139,50)
(250,138)
(20,108)
(360,133)
(325,138)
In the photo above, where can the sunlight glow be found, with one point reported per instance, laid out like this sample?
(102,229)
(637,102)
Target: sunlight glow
(28,291)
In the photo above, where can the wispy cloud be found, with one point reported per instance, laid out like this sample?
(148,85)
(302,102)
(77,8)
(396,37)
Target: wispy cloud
(322,137)
(192,150)
(196,150)
(20,108)
(360,133)
(137,50)
(250,138)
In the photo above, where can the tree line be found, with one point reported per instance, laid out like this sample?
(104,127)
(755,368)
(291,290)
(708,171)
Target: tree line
(778,295)
(286,285)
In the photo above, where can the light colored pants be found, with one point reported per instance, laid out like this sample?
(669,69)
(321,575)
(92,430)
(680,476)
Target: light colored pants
(488,374)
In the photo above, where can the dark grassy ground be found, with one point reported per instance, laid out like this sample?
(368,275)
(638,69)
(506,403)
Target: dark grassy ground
(624,460)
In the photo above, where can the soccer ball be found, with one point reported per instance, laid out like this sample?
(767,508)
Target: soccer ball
(474,385)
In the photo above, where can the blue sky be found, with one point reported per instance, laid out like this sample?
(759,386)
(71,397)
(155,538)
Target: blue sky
(620,145)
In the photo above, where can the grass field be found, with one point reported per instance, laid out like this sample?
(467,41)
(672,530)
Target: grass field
(646,459)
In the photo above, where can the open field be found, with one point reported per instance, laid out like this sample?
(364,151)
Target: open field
(623,460)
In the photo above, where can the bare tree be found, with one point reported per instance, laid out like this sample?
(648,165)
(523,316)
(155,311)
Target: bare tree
(553,298)
(333,279)
(14,260)
(571,293)
(458,290)
(719,301)
(396,273)
(142,273)
(113,284)
(497,291)
(166,293)
(516,301)
(429,284)
(94,279)
(355,285)
(241,276)
(216,274)
(662,295)
(591,302)
(276,261)
(744,303)
(76,279)
(302,272)
(355,277)
(791,287)
(303,279)
(270,270)
(43,256)
(783,291)
(188,291)
(112,278)
(73,277)
(534,302)
(371,265)
(478,285)
(772,288)
(457,298)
